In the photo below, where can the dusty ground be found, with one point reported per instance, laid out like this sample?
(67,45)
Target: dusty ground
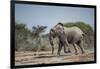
(45,57)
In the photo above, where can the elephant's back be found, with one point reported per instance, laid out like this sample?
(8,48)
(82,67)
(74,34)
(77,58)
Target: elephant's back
(73,30)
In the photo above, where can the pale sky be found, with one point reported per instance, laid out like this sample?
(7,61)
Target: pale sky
(33,15)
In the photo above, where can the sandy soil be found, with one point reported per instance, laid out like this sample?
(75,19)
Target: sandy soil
(45,57)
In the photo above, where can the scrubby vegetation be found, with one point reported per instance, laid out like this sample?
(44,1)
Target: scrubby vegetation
(30,40)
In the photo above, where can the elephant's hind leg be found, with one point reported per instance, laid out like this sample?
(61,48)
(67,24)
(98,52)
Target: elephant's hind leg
(80,43)
(74,45)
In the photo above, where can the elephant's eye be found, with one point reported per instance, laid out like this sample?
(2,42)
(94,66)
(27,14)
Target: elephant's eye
(59,28)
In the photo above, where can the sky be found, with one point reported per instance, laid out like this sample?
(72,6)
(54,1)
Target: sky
(33,15)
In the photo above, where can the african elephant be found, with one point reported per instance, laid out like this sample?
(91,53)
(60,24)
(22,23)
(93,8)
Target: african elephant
(66,36)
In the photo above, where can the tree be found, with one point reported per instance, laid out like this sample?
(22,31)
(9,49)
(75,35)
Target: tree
(83,26)
(21,33)
(37,33)
(38,30)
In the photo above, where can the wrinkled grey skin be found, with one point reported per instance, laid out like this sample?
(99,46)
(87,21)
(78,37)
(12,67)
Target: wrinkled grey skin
(66,36)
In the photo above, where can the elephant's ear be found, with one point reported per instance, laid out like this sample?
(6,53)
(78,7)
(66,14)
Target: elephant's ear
(60,24)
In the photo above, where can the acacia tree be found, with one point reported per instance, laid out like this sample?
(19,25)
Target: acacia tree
(37,34)
(38,30)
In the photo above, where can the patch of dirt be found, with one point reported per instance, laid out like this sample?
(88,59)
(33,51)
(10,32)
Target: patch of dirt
(45,57)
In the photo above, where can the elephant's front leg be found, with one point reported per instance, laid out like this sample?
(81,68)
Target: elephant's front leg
(52,50)
(66,44)
(59,48)
(68,51)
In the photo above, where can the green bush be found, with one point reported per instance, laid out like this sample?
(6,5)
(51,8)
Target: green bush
(83,26)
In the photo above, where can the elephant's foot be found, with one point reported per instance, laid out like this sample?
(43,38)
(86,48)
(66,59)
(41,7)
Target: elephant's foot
(67,51)
(76,53)
(52,53)
(83,52)
(58,54)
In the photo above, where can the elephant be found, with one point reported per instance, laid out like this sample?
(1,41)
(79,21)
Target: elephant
(66,35)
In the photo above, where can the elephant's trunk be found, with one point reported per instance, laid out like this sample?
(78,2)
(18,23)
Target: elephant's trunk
(51,41)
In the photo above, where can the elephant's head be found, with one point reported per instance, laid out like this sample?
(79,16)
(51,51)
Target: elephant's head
(54,32)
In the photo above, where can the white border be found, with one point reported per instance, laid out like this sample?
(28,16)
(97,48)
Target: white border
(5,34)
